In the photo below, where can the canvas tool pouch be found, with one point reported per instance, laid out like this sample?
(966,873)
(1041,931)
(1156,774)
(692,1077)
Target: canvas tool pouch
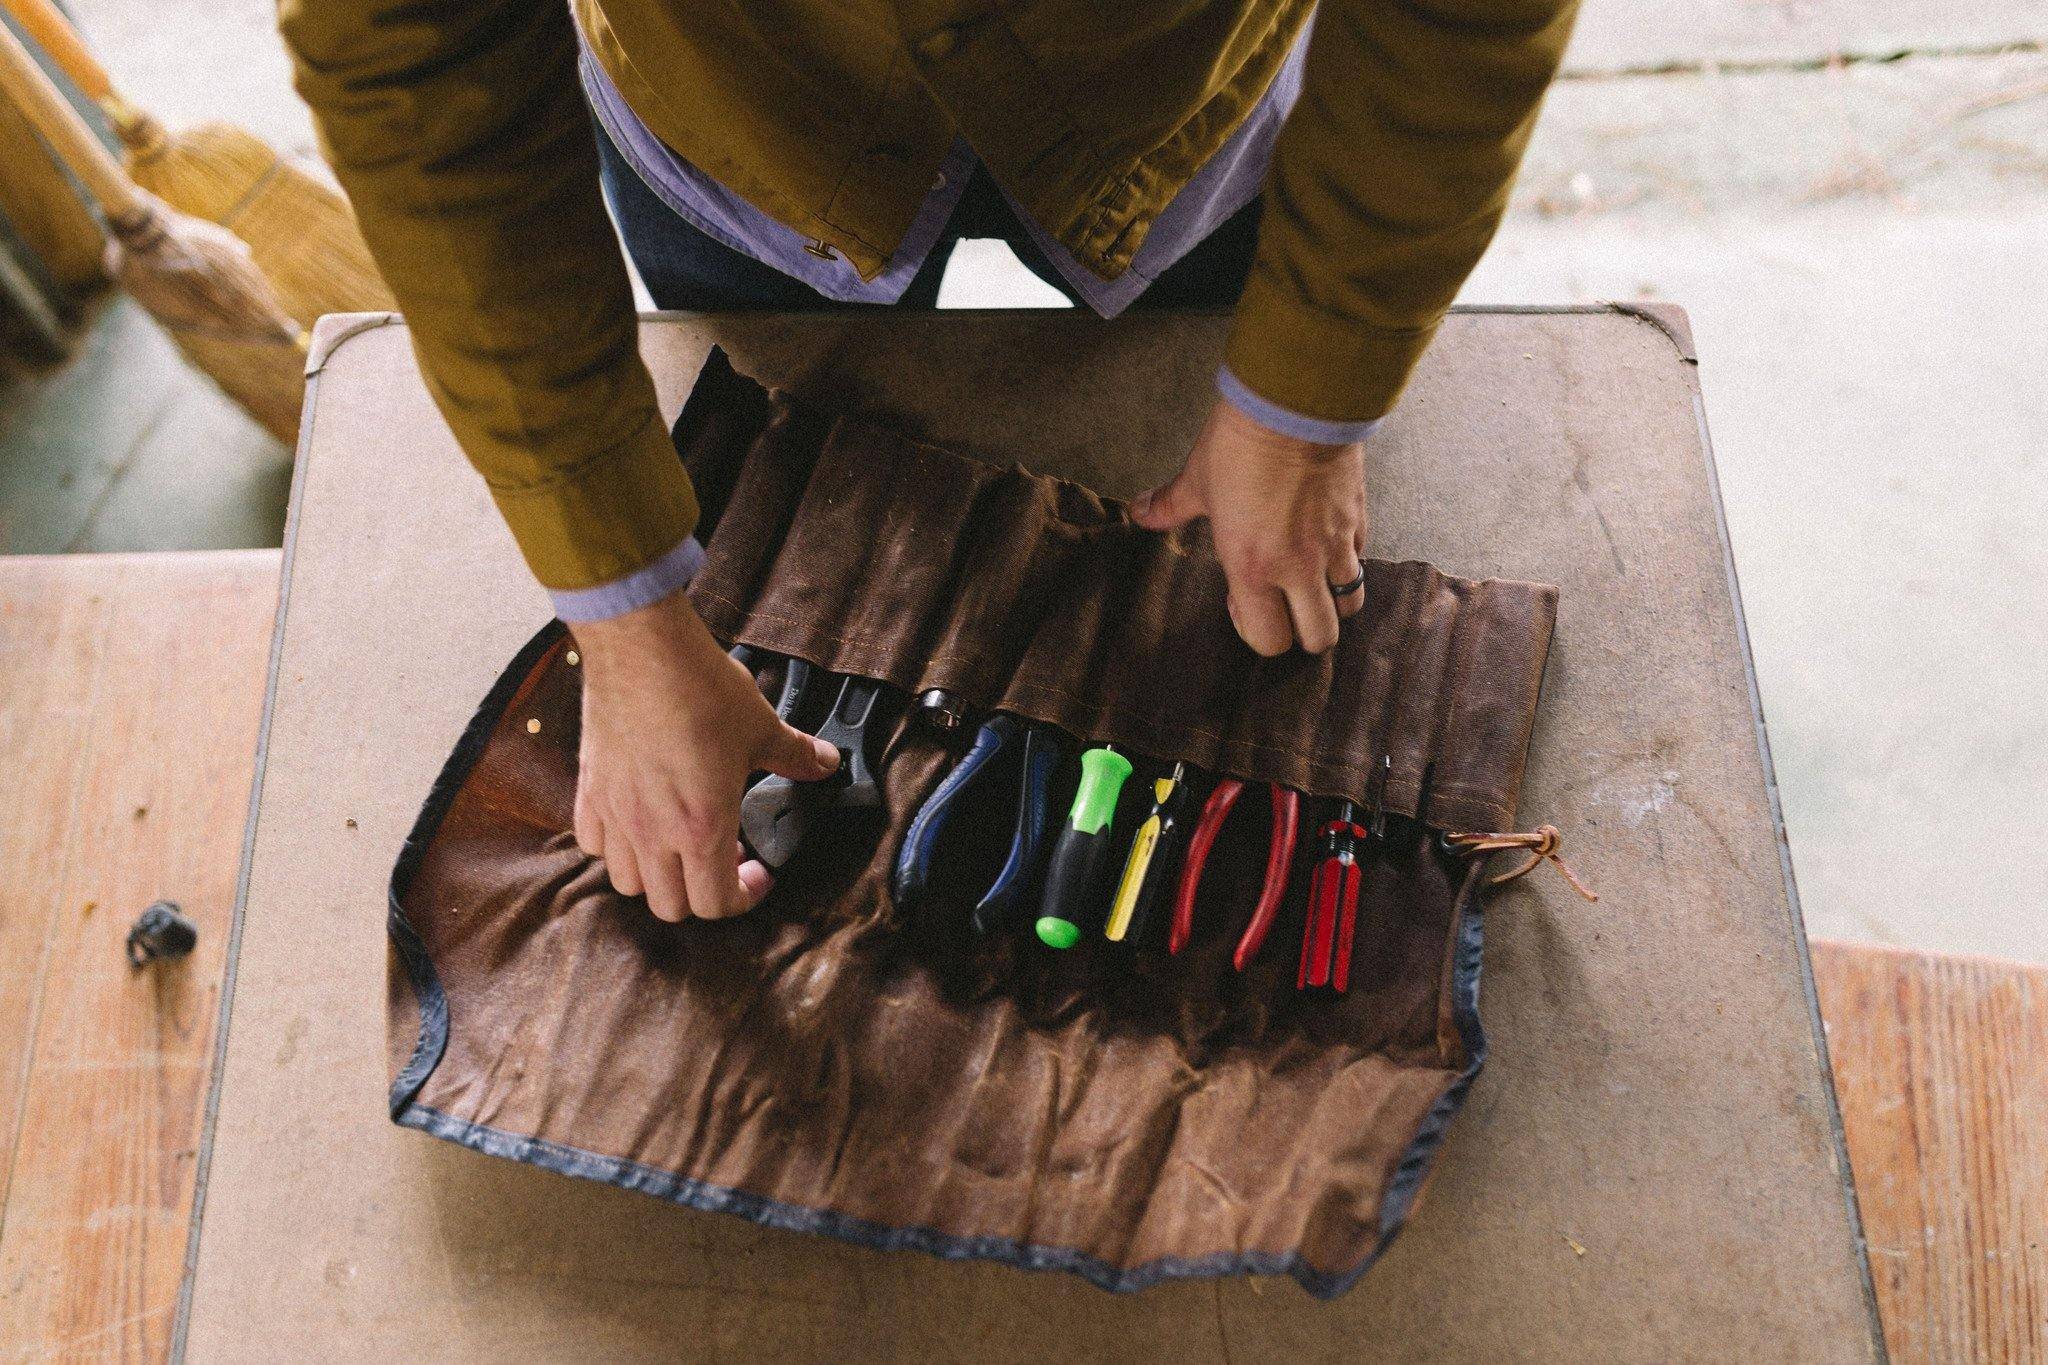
(836,1063)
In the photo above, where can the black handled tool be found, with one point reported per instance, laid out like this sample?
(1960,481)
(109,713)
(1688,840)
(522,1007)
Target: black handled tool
(1150,867)
(796,677)
(1074,875)
(776,810)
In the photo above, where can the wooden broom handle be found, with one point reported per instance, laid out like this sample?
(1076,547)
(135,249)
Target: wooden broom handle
(75,144)
(45,23)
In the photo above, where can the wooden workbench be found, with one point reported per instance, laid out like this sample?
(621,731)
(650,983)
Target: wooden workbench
(1651,1165)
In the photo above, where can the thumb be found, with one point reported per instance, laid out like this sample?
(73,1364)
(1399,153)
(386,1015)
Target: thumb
(1174,503)
(798,756)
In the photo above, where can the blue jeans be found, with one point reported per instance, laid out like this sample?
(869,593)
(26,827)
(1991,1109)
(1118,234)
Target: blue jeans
(687,269)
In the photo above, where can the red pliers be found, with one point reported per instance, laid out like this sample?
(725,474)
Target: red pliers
(1279,856)
(1332,905)
(1334,886)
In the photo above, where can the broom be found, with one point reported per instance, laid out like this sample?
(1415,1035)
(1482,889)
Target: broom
(194,278)
(298,226)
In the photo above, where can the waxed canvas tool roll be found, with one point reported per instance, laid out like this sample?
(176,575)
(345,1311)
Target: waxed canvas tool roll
(836,1063)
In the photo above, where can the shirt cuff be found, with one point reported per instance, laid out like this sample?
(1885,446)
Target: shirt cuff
(643,587)
(1285,420)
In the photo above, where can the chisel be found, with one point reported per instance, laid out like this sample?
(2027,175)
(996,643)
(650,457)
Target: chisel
(1147,870)
(1075,872)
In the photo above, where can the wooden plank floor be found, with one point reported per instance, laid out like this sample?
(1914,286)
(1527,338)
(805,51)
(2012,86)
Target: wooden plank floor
(1942,1068)
(130,697)
(130,693)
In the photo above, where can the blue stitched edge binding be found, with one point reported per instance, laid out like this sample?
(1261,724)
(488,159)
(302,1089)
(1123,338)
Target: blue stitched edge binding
(434,1025)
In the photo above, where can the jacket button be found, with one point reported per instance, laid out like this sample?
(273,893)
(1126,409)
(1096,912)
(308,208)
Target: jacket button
(939,44)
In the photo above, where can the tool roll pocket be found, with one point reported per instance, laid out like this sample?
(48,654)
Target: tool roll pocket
(862,551)
(897,1078)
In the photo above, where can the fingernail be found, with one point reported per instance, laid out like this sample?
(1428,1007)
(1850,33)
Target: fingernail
(756,881)
(828,754)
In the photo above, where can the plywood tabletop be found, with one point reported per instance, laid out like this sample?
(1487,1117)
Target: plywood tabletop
(1650,1165)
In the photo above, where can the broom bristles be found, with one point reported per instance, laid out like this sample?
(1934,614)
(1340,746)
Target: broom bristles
(300,230)
(198,282)
(305,241)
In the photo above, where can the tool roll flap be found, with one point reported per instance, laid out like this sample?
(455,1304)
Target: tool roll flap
(848,544)
(885,1073)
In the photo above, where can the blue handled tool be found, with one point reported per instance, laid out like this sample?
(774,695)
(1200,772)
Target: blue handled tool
(920,843)
(914,861)
(1034,805)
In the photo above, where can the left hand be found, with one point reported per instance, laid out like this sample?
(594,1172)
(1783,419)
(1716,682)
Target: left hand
(1289,521)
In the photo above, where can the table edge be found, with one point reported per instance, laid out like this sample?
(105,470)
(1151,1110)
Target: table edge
(217,1067)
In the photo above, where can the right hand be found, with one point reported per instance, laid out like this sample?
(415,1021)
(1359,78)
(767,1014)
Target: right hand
(1289,521)
(672,728)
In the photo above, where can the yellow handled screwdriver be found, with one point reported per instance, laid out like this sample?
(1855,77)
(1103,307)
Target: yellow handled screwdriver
(1149,867)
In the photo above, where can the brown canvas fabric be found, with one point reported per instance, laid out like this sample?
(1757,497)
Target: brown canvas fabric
(835,1062)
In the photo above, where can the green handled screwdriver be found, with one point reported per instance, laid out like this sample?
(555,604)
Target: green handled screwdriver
(1075,872)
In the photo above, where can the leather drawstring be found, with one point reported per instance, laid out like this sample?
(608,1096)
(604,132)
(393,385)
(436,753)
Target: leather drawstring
(1540,844)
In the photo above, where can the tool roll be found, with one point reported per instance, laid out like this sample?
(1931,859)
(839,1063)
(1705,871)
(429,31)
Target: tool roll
(840,1062)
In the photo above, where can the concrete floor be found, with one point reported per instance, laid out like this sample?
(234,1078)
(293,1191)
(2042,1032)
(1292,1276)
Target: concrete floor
(1851,198)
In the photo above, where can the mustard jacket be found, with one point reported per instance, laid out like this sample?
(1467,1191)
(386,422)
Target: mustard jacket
(458,129)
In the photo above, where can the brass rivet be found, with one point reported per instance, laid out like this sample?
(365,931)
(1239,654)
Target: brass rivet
(533,727)
(574,658)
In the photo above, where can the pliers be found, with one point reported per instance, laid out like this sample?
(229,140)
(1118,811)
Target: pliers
(1332,904)
(1041,754)
(1333,889)
(776,810)
(1279,857)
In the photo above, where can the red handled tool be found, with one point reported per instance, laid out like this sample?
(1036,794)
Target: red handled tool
(1279,855)
(1334,887)
(1332,905)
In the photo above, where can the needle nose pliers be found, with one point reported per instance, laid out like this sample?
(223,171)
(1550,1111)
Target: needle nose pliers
(1279,857)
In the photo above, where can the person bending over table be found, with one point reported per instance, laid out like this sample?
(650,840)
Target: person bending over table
(1333,175)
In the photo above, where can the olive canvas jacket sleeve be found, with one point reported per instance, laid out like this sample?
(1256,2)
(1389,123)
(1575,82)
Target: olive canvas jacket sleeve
(458,129)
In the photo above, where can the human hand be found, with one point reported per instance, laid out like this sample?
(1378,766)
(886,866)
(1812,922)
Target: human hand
(672,728)
(1289,521)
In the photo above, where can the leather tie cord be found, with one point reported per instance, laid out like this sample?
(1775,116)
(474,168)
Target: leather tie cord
(1540,844)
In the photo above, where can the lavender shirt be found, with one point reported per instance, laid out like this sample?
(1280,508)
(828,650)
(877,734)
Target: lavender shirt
(1226,183)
